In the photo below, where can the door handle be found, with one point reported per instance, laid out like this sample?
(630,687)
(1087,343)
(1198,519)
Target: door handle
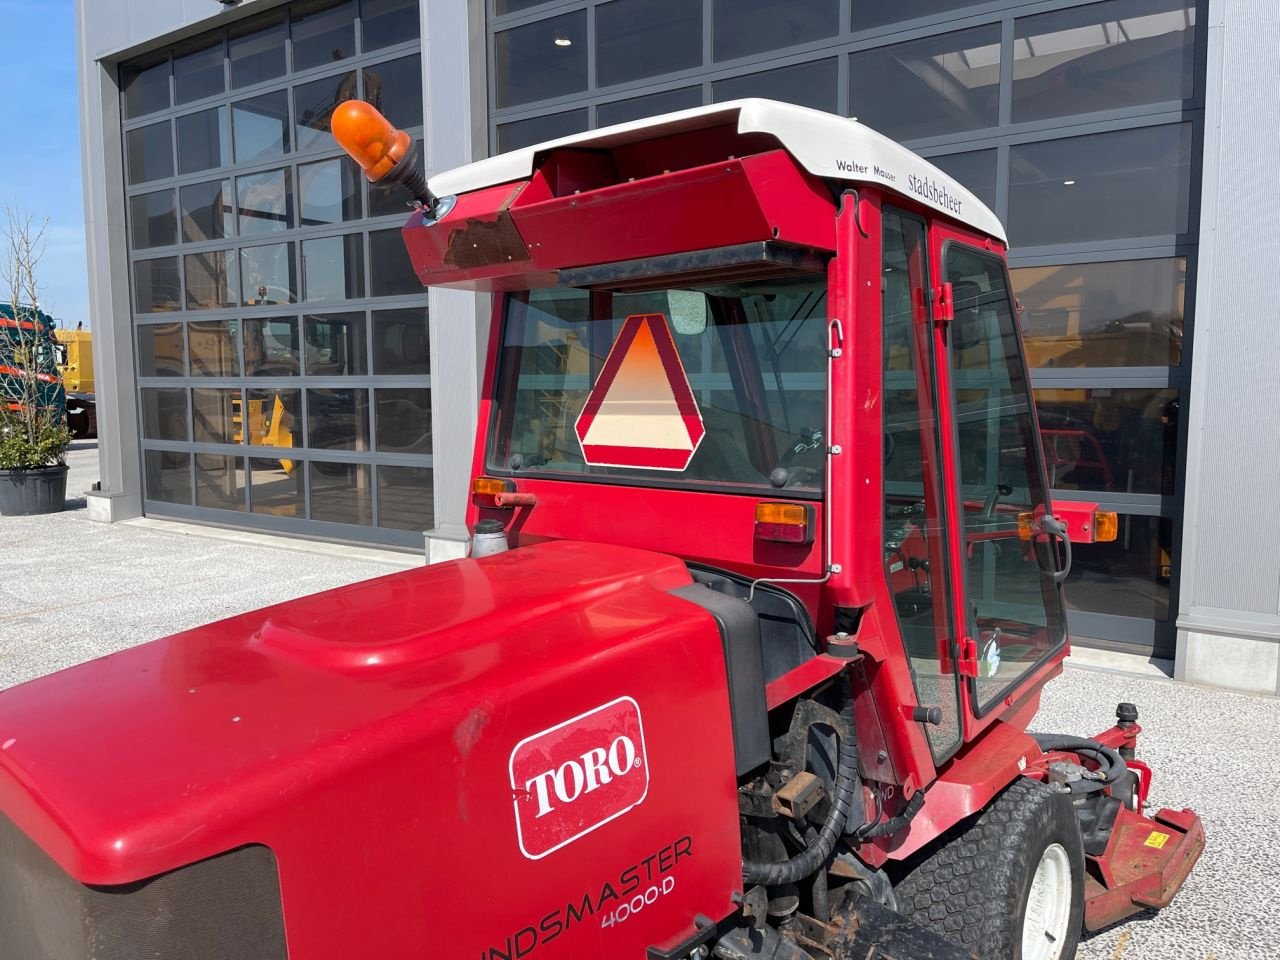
(1057,529)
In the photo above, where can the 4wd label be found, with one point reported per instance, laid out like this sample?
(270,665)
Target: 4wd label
(577,776)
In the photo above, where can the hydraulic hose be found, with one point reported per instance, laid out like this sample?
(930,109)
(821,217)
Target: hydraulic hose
(1110,764)
(847,785)
(894,824)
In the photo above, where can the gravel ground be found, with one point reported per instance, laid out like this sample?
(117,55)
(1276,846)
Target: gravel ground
(76,590)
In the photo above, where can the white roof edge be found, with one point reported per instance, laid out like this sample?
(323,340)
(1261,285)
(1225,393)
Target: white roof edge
(827,146)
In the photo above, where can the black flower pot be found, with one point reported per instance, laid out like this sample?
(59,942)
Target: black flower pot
(27,492)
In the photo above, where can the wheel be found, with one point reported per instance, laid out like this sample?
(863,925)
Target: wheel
(1008,885)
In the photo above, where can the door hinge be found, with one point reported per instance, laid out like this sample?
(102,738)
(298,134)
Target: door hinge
(967,664)
(944,304)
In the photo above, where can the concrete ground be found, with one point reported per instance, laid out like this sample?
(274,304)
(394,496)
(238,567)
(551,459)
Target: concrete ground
(73,590)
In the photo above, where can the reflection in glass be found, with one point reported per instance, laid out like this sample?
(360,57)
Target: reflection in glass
(145,84)
(340,492)
(155,285)
(385,22)
(1126,313)
(313,105)
(328,192)
(275,487)
(975,170)
(323,32)
(334,344)
(271,347)
(390,272)
(338,419)
(265,201)
(149,151)
(401,343)
(404,420)
(168,476)
(406,498)
(203,140)
(930,87)
(806,84)
(164,413)
(217,416)
(1105,186)
(160,350)
(1103,56)
(1128,577)
(210,280)
(514,6)
(153,220)
(261,127)
(395,88)
(257,51)
(219,481)
(385,199)
(333,268)
(738,25)
(267,275)
(206,211)
(275,419)
(878,13)
(525,133)
(622,111)
(540,60)
(214,347)
(198,71)
(644,38)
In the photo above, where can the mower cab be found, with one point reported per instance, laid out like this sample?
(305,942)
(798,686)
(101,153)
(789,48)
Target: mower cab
(765,583)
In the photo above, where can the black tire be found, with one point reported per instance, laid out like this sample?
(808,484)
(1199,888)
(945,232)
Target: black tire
(974,886)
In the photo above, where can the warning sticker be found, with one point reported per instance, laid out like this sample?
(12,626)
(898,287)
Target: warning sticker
(641,411)
(1157,840)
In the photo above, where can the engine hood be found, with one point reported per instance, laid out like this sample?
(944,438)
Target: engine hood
(139,762)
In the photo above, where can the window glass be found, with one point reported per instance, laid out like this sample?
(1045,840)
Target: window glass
(267,275)
(329,192)
(333,268)
(401,343)
(406,498)
(395,88)
(313,105)
(404,420)
(655,104)
(645,38)
(204,141)
(206,211)
(808,84)
(975,170)
(216,416)
(219,481)
(525,133)
(164,413)
(256,51)
(738,25)
(340,492)
(1103,56)
(540,60)
(388,199)
(161,352)
(215,348)
(879,13)
(1105,186)
(1128,577)
(155,285)
(198,71)
(271,347)
(931,87)
(501,7)
(265,201)
(334,345)
(1128,313)
(153,220)
(210,279)
(323,32)
(168,476)
(275,487)
(149,151)
(390,272)
(261,127)
(338,419)
(146,87)
(386,22)
(275,420)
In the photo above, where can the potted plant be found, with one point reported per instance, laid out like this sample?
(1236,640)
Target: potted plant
(33,432)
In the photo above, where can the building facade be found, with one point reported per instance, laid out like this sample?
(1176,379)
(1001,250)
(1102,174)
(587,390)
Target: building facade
(270,362)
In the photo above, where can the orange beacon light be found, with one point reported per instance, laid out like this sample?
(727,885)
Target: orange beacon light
(385,154)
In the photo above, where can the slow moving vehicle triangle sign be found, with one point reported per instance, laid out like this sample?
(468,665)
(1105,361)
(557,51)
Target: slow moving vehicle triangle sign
(641,412)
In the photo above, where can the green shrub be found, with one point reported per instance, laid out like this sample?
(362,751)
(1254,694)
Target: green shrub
(28,443)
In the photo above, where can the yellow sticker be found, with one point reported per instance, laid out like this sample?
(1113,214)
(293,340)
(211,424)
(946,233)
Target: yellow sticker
(1157,839)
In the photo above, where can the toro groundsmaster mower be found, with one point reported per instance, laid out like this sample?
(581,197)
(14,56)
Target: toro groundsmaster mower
(764,587)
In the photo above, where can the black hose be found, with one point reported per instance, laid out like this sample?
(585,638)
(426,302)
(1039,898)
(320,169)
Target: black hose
(847,784)
(1109,761)
(894,824)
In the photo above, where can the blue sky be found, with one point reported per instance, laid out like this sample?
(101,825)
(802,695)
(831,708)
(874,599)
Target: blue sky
(40,166)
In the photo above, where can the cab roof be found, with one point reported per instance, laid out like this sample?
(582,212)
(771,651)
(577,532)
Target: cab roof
(827,146)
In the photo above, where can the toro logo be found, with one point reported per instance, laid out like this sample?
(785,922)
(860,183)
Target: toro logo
(577,776)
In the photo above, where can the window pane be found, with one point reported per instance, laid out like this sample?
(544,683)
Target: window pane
(655,104)
(271,347)
(161,352)
(257,51)
(146,87)
(340,492)
(275,419)
(644,38)
(877,13)
(219,481)
(385,200)
(525,133)
(323,33)
(154,220)
(215,348)
(333,268)
(206,211)
(338,419)
(155,285)
(216,416)
(384,22)
(313,105)
(395,88)
(541,60)
(164,414)
(334,345)
(1121,53)
(927,88)
(203,141)
(198,71)
(210,280)
(267,275)
(404,420)
(275,487)
(266,203)
(149,151)
(1126,314)
(738,25)
(808,84)
(168,476)
(261,127)
(1131,183)
(975,170)
(401,344)
(329,192)
(501,7)
(406,498)
(1128,577)
(390,272)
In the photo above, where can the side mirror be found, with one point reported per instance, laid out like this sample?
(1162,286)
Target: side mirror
(688,312)
(968,329)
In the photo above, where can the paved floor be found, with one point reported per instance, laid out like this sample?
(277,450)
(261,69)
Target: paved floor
(72,590)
